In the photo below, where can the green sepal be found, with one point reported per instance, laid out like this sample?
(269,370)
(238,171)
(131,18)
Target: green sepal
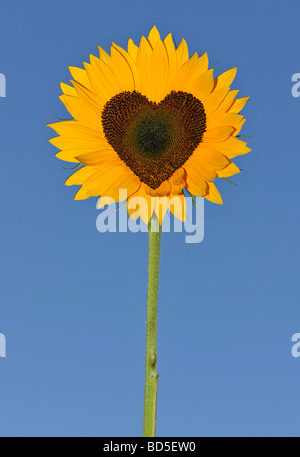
(230,182)
(74,168)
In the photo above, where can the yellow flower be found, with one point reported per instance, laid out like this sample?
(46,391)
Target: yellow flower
(152,121)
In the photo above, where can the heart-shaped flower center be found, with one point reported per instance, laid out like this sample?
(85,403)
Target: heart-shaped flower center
(154,140)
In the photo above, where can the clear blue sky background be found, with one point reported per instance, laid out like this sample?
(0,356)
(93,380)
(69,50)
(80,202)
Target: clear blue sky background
(73,301)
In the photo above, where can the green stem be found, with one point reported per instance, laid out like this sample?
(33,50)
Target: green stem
(151,376)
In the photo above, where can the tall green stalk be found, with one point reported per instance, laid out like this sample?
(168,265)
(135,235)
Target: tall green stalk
(151,376)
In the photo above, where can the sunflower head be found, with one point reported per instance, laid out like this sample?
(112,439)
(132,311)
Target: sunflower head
(152,121)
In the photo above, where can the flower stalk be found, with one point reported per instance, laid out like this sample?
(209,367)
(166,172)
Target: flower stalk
(151,376)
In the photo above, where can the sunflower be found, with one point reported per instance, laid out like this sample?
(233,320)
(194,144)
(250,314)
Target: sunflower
(152,121)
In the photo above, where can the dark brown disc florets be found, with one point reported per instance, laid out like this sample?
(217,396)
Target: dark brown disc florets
(154,139)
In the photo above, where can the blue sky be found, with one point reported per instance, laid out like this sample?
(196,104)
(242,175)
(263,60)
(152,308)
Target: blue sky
(72,300)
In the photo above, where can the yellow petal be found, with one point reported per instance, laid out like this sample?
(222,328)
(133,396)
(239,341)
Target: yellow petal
(103,79)
(161,207)
(69,155)
(98,157)
(202,86)
(231,155)
(168,42)
(226,78)
(238,104)
(177,176)
(143,66)
(159,72)
(230,170)
(79,176)
(80,75)
(200,167)
(214,100)
(202,64)
(68,90)
(210,155)
(132,49)
(104,56)
(72,128)
(213,194)
(82,111)
(231,147)
(131,63)
(239,127)
(140,205)
(123,188)
(177,188)
(218,134)
(177,205)
(177,182)
(225,105)
(153,36)
(128,182)
(81,194)
(162,190)
(182,53)
(88,95)
(79,142)
(122,68)
(185,74)
(228,119)
(108,179)
(194,184)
